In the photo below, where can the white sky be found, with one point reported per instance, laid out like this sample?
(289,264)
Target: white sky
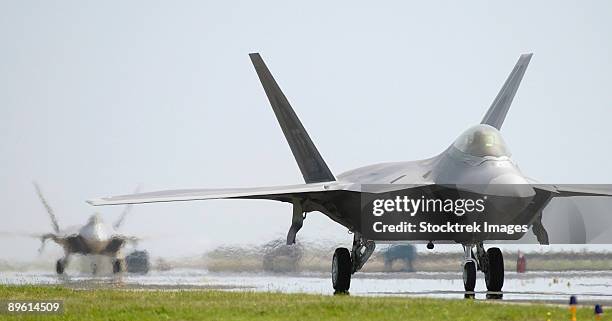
(97,97)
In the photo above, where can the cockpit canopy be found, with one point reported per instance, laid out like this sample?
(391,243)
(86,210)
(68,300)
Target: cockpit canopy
(482,140)
(95,219)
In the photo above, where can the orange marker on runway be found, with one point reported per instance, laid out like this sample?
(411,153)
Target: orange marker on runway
(573,302)
(598,312)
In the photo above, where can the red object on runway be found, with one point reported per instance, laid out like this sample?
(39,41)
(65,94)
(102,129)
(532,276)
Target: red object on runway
(521,263)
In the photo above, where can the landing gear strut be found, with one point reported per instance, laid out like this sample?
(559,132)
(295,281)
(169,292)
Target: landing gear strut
(345,263)
(297,221)
(490,262)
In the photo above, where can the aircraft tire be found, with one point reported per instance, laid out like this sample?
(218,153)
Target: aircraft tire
(495,272)
(60,266)
(469,276)
(117,266)
(341,270)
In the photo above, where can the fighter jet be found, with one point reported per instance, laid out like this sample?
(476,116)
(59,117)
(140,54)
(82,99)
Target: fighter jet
(93,238)
(478,157)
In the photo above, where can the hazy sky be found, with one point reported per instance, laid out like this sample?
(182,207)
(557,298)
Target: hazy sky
(99,96)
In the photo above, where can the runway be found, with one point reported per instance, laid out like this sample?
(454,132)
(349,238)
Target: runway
(552,287)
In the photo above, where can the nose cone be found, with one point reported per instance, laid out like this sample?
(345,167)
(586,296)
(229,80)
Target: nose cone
(509,194)
(510,185)
(503,182)
(95,234)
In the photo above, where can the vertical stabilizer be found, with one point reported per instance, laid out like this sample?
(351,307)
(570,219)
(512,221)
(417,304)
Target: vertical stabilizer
(499,108)
(307,156)
(48,207)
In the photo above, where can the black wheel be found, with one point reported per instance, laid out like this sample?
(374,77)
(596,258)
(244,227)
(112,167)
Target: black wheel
(495,271)
(117,266)
(341,270)
(469,276)
(59,266)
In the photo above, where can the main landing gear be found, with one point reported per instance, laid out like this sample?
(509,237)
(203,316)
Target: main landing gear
(60,265)
(342,267)
(490,262)
(345,263)
(118,266)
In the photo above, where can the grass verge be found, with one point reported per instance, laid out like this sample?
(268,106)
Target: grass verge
(120,304)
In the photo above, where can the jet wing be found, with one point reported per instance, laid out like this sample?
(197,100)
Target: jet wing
(568,190)
(280,193)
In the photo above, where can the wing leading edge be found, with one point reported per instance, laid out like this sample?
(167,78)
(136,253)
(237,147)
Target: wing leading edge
(280,193)
(569,190)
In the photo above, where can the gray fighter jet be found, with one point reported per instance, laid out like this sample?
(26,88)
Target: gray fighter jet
(93,238)
(475,161)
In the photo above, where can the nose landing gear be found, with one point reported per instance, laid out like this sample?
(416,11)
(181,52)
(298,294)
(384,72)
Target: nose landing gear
(494,276)
(490,262)
(469,269)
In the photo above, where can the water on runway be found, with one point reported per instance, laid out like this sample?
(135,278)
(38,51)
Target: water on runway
(534,286)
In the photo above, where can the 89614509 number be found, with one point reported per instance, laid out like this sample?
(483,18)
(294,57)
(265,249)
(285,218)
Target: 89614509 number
(31,307)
